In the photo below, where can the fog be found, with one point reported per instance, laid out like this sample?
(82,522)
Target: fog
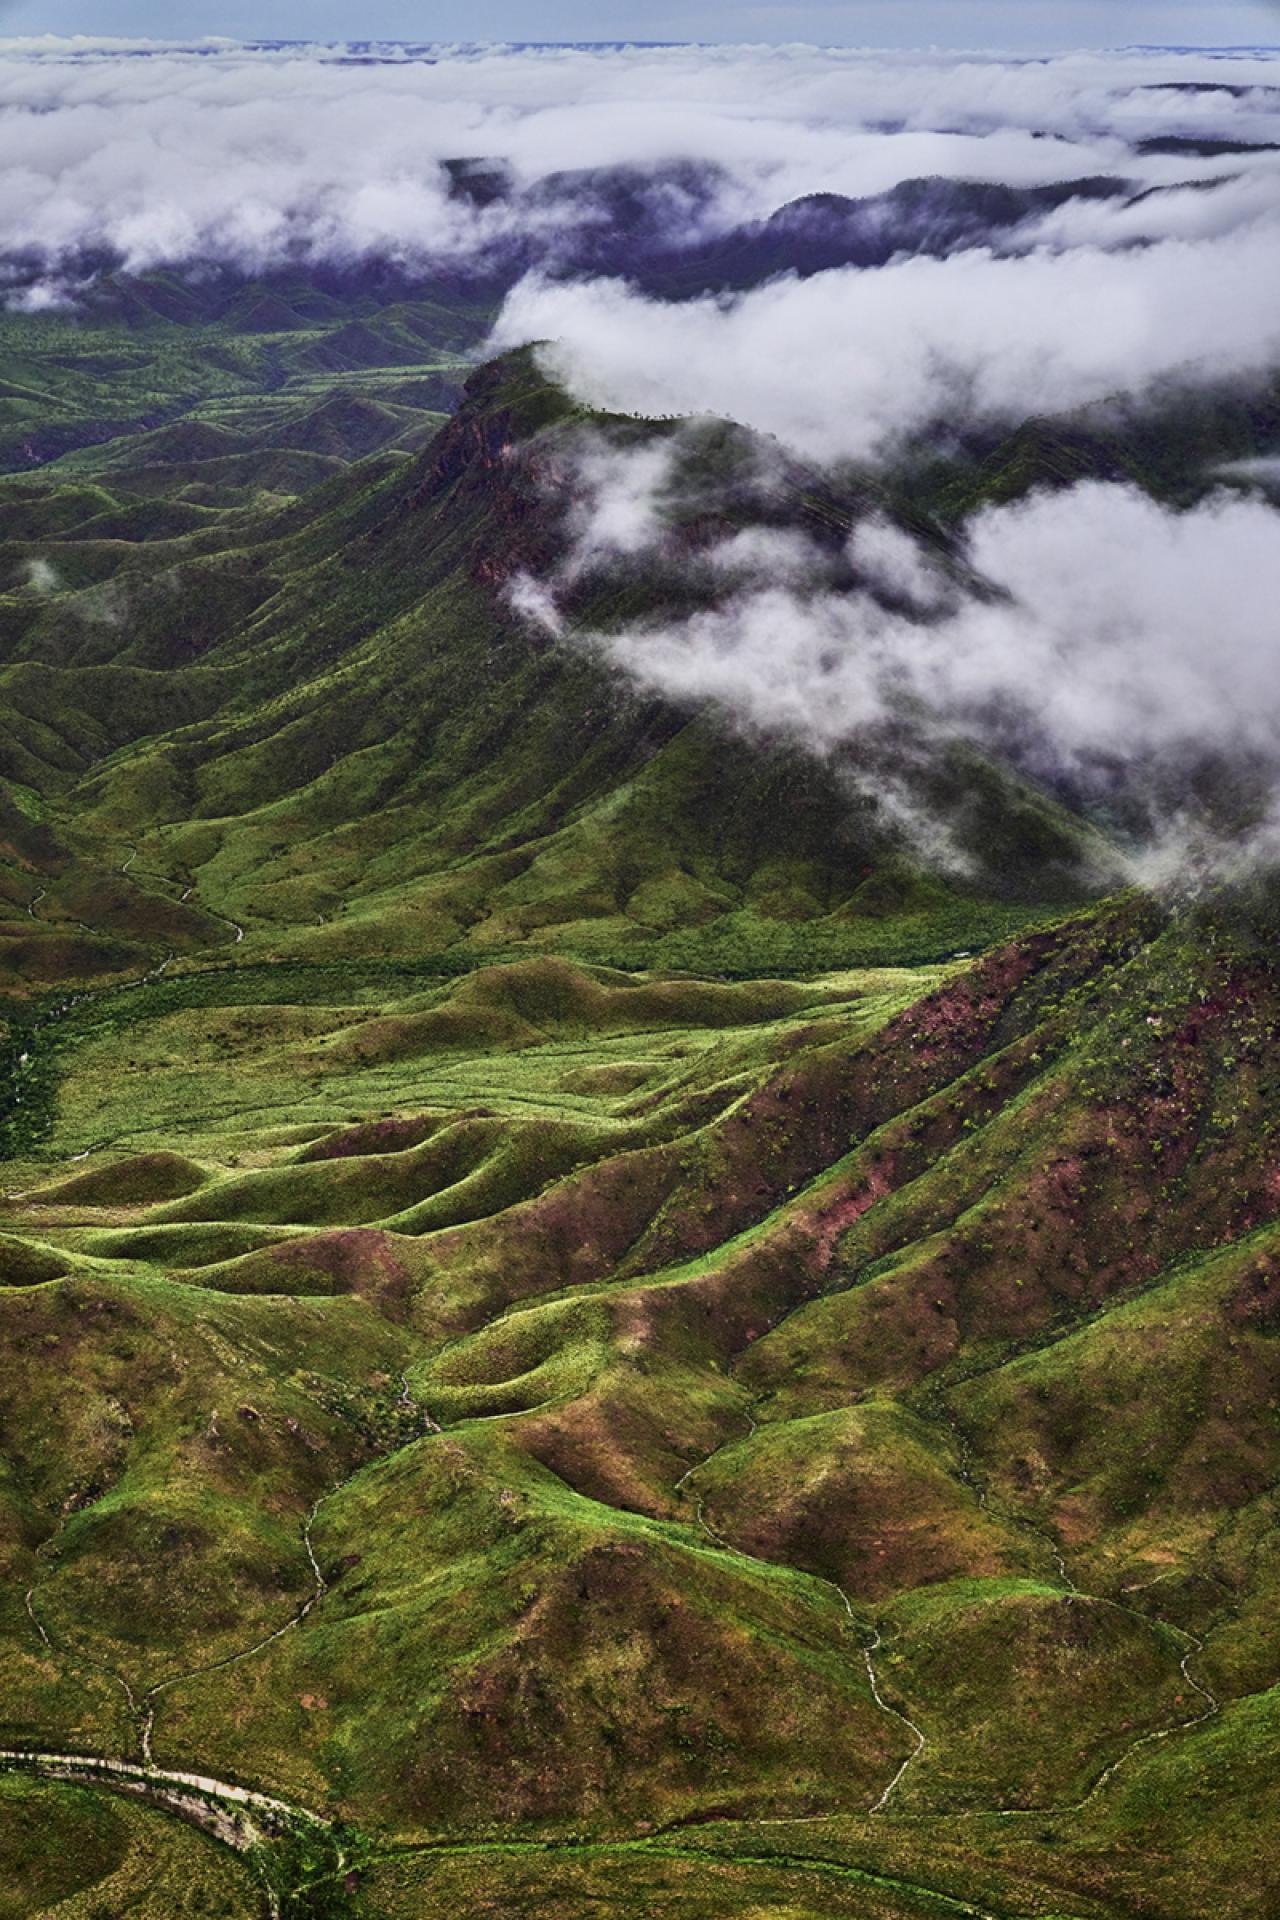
(160,156)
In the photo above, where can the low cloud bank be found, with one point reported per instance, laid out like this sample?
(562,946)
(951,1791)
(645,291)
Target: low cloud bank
(848,363)
(1093,640)
(153,156)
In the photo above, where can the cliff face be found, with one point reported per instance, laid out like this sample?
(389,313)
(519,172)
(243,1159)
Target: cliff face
(488,457)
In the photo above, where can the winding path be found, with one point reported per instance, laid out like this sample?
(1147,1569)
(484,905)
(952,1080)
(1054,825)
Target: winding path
(1192,1645)
(238,1817)
(243,1818)
(151,1698)
(250,1822)
(869,1647)
(185,895)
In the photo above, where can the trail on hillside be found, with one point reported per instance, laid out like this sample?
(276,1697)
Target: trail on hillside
(250,1821)
(220,1807)
(151,1698)
(868,1648)
(1193,1646)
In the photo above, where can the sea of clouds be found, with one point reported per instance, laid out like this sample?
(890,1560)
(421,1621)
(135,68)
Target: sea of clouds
(160,155)
(1087,628)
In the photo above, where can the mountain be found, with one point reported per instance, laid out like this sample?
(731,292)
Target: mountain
(324,725)
(582,1320)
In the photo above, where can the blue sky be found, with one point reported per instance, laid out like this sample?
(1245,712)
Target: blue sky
(1029,24)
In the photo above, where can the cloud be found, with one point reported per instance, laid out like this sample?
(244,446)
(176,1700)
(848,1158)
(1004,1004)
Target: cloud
(623,497)
(257,155)
(1134,654)
(1245,196)
(41,576)
(617,499)
(1090,644)
(897,566)
(1262,472)
(850,362)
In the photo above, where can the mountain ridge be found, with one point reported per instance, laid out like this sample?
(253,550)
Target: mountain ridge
(582,1319)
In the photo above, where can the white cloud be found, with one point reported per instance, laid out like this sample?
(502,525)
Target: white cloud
(41,576)
(617,500)
(1262,472)
(1103,639)
(1246,195)
(229,153)
(896,566)
(775,555)
(845,364)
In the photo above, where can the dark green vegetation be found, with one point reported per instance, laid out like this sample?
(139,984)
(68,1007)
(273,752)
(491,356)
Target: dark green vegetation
(155,379)
(566,1307)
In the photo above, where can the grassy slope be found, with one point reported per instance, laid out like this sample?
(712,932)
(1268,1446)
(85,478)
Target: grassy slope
(263,729)
(695,1392)
(80,1856)
(733,1304)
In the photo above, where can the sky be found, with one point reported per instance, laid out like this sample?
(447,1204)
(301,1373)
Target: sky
(1013,24)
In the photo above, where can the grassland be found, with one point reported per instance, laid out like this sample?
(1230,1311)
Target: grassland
(631,1351)
(570,1310)
(82,1855)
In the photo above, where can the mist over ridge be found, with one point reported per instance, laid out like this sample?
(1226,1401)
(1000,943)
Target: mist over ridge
(869,259)
(180,157)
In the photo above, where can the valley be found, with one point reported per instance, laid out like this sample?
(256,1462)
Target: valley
(592,1326)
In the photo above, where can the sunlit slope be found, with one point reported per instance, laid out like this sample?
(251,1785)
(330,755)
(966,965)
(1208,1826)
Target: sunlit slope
(653,1400)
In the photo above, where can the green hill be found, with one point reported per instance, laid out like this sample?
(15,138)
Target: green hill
(575,1313)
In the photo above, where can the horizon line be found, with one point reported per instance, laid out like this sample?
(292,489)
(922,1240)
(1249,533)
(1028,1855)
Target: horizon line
(214,41)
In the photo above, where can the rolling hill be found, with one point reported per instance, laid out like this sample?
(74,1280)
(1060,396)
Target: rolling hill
(584,1324)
